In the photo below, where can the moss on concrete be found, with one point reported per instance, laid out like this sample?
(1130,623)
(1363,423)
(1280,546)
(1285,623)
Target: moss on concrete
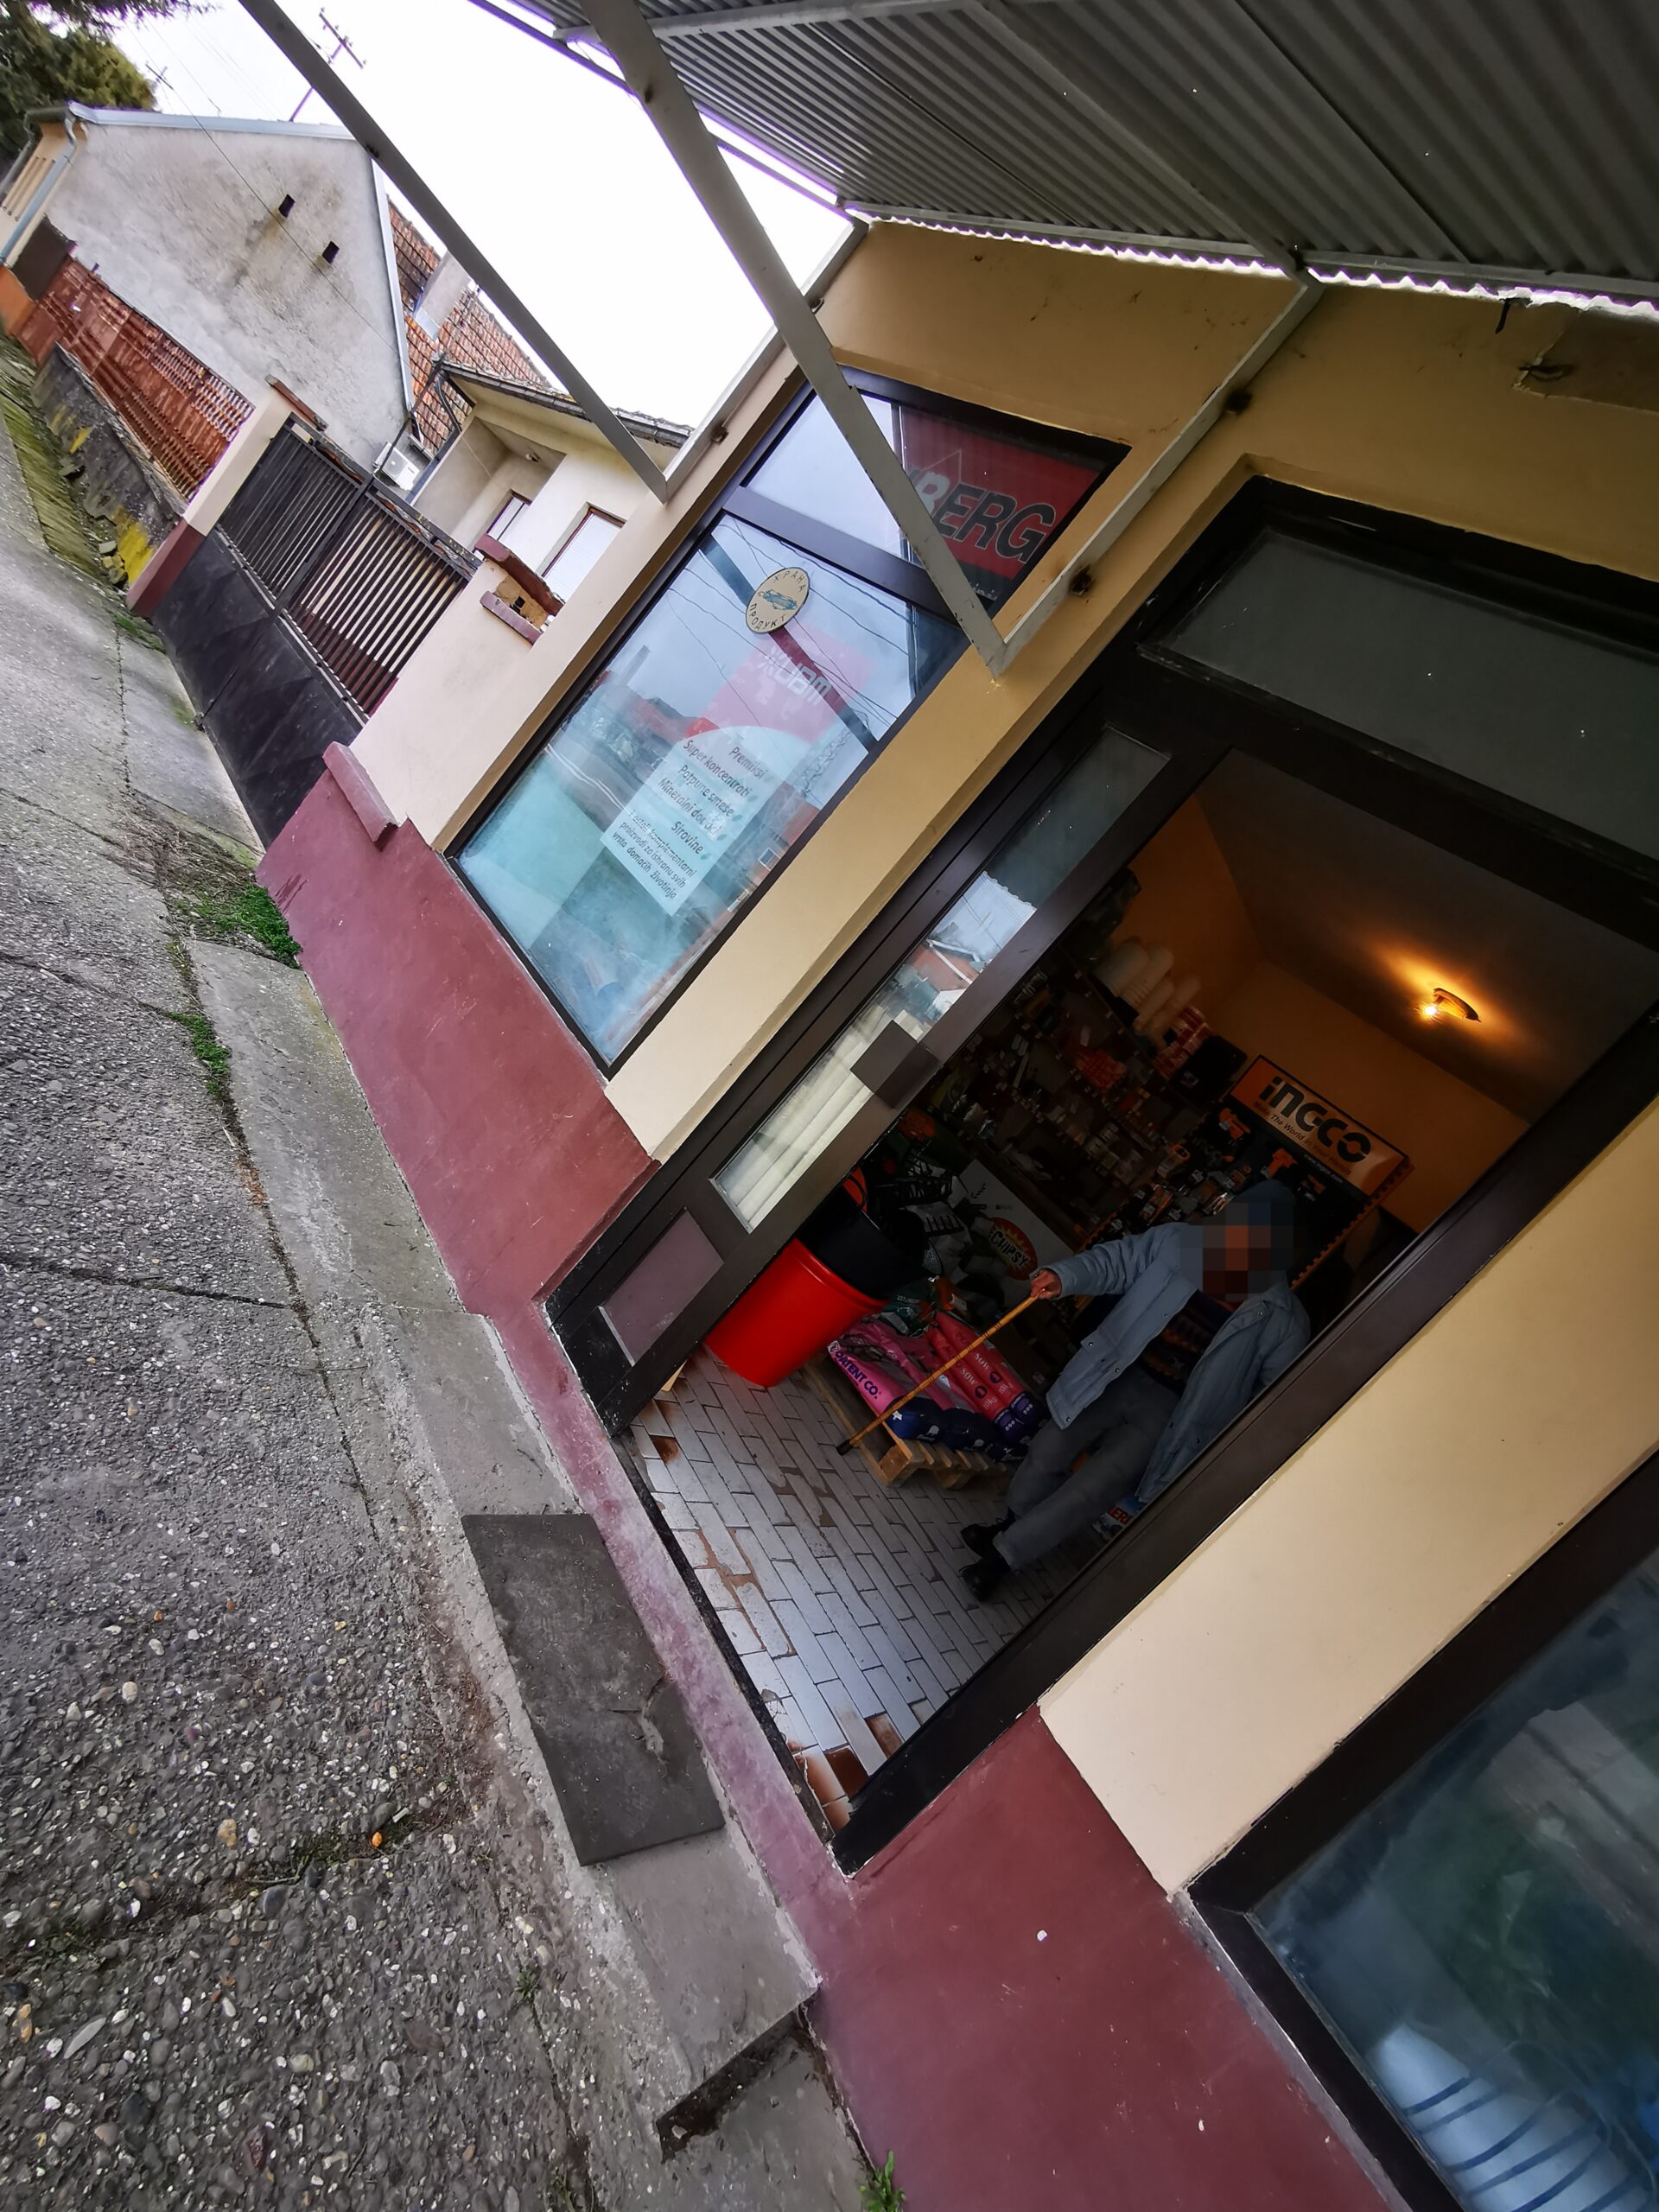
(60,521)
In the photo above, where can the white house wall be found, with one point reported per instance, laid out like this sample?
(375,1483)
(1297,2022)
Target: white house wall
(181,221)
(457,496)
(588,476)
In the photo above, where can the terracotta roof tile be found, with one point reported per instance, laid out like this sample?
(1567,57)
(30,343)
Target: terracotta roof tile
(470,334)
(416,256)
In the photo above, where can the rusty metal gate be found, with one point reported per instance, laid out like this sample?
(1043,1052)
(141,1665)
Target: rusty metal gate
(359,574)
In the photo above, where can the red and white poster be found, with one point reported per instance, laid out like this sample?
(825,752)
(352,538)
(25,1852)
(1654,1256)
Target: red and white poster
(997,503)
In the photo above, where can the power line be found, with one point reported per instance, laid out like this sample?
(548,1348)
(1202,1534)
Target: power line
(342,45)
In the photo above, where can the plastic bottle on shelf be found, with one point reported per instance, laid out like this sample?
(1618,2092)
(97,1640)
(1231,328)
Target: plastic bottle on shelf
(1123,964)
(1156,1018)
(1157,964)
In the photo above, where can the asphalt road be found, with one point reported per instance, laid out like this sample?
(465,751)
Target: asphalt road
(253,1938)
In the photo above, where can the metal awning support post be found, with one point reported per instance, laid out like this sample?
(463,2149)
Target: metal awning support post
(624,31)
(1197,425)
(286,35)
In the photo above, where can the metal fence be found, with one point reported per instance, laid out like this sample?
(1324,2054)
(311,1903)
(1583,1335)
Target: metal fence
(174,406)
(358,573)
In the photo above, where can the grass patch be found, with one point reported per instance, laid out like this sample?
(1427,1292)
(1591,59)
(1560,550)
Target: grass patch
(246,911)
(215,1057)
(881,2193)
(136,628)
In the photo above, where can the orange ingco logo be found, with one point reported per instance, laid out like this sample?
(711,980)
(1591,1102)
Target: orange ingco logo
(1293,1109)
(1315,1126)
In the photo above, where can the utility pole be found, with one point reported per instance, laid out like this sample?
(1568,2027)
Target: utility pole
(342,45)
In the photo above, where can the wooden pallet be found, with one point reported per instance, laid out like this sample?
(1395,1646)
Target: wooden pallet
(889,1459)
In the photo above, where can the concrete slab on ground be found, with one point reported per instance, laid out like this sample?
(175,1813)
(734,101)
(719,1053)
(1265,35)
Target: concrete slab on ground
(71,903)
(353,1231)
(169,761)
(268,1799)
(690,1962)
(623,1759)
(114,1156)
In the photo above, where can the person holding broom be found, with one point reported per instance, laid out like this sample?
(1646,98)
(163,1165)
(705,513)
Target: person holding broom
(1205,1319)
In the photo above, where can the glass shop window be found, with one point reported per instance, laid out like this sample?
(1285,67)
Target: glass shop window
(998,499)
(703,751)
(958,949)
(1485,1939)
(1559,718)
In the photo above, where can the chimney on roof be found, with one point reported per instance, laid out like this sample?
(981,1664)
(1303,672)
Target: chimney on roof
(442,288)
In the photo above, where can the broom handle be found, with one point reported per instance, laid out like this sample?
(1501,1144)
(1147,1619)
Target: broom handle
(927,1380)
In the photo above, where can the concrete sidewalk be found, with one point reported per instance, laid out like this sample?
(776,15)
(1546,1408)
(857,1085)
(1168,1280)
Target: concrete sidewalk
(288,1909)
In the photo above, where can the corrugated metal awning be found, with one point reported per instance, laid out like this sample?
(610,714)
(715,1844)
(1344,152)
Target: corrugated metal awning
(1500,142)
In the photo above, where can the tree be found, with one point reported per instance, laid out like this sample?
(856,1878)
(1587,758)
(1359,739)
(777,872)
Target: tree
(65,52)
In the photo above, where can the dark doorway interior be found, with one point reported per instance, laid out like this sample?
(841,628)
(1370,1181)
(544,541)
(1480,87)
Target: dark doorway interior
(1305,941)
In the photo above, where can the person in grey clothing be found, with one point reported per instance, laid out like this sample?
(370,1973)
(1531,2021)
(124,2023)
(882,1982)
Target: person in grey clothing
(1205,1319)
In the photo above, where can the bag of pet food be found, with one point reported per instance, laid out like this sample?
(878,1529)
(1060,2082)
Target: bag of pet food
(875,1383)
(988,1383)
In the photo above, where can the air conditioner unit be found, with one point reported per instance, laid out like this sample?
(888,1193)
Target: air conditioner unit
(403,469)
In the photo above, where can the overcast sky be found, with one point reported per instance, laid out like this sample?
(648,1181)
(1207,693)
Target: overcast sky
(558,176)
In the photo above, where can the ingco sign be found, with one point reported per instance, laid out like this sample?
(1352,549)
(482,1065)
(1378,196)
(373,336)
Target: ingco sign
(1314,1124)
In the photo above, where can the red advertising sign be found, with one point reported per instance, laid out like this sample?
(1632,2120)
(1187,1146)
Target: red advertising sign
(997,503)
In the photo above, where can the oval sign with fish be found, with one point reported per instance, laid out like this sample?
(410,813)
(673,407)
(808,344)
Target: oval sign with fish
(778,599)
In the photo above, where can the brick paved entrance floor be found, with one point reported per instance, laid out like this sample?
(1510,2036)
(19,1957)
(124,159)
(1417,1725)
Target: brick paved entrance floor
(840,1595)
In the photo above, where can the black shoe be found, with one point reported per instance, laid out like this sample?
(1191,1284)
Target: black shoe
(980,1535)
(985,1576)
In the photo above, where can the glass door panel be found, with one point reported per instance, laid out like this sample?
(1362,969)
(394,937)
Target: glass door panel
(941,968)
(1069,832)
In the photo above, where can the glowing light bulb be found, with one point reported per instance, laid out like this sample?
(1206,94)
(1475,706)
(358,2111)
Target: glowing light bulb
(1442,1003)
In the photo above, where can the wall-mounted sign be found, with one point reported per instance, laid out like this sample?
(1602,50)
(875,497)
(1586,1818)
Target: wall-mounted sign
(999,503)
(1315,1126)
(777,598)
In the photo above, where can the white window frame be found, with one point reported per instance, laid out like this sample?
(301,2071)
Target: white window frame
(588,511)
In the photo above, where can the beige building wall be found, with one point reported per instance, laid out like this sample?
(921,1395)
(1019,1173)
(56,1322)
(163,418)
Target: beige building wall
(460,494)
(1398,400)
(1536,1391)
(590,475)
(1516,1410)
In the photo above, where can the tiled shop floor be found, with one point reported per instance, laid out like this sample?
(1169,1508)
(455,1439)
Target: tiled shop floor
(842,1596)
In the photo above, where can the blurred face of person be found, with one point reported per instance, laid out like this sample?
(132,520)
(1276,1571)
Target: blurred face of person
(1239,1255)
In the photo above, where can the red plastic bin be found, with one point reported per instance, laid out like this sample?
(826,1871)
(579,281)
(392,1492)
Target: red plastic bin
(794,1309)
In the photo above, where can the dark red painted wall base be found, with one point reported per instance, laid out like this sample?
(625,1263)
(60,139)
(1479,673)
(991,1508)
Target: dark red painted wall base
(492,1111)
(161,572)
(1010,2003)
(1019,2012)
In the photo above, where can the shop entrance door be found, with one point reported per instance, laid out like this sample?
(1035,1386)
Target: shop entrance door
(1365,665)
(1053,832)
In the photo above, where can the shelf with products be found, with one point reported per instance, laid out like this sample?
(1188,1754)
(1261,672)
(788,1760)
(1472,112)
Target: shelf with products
(1062,1099)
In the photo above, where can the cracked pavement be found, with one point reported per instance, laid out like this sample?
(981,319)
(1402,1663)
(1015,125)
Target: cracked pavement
(255,1941)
